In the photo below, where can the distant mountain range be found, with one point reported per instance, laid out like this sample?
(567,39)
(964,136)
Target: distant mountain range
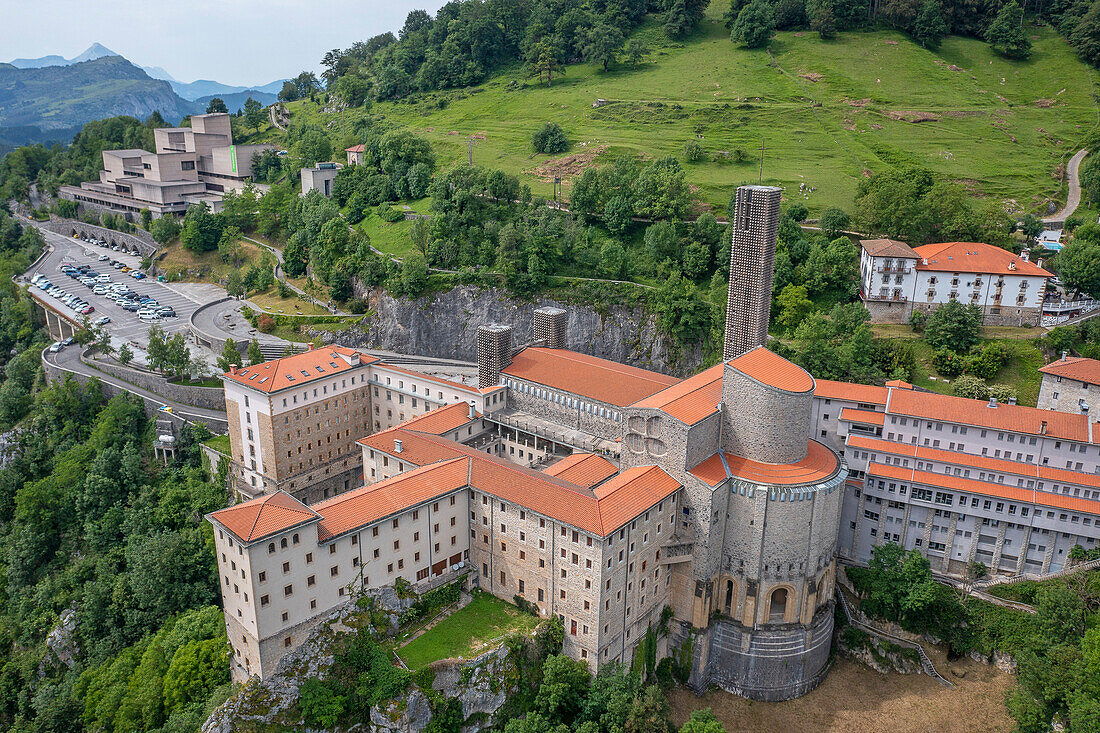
(191,91)
(50,102)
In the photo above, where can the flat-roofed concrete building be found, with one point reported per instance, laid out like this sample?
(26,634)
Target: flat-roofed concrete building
(191,164)
(320,178)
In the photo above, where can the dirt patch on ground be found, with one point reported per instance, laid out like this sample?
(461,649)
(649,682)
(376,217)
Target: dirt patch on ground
(960,113)
(856,699)
(891,43)
(568,166)
(1044,103)
(811,76)
(858,102)
(909,115)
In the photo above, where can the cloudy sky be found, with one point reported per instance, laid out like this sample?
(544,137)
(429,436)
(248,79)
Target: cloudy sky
(241,42)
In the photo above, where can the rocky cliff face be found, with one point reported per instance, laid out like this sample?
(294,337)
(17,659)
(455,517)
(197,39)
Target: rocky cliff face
(445,325)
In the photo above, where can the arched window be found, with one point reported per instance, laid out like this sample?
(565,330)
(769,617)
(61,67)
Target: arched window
(729,597)
(778,607)
(271,547)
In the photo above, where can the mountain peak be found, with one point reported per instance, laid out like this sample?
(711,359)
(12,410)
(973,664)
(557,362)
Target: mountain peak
(93,52)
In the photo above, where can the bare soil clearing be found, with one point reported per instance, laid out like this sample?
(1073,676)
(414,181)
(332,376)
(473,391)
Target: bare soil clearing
(856,699)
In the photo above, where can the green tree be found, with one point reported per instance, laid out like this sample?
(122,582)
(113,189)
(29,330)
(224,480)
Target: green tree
(822,18)
(314,147)
(1060,612)
(234,284)
(125,354)
(164,228)
(971,387)
(636,52)
(954,326)
(613,260)
(231,356)
(618,214)
(929,29)
(217,104)
(1089,176)
(833,222)
(729,17)
(754,25)
(549,138)
(146,219)
(195,670)
(794,305)
(255,356)
(321,705)
(702,721)
(202,230)
(1006,34)
(545,63)
(414,275)
(603,44)
(1078,263)
(1085,35)
(564,685)
(254,113)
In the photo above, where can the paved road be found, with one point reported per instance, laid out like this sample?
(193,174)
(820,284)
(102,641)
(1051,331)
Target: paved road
(125,326)
(1073,199)
(69,359)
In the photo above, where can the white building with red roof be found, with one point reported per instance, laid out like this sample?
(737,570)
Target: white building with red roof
(896,280)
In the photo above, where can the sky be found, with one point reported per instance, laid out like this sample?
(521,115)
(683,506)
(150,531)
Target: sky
(237,42)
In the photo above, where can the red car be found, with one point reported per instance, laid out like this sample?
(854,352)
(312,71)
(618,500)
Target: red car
(86,310)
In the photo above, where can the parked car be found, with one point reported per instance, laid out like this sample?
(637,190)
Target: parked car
(103,278)
(166,311)
(102,320)
(56,346)
(137,275)
(147,315)
(104,258)
(87,309)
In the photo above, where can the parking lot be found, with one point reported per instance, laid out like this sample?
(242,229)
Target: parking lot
(125,326)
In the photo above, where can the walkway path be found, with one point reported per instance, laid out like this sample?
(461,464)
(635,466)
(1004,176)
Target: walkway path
(1073,199)
(281,277)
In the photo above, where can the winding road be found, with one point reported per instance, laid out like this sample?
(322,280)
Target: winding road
(1073,198)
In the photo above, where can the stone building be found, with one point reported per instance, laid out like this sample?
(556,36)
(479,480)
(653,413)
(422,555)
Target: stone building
(1070,384)
(755,225)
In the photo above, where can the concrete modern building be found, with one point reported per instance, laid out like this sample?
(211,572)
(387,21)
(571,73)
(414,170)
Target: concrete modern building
(896,279)
(191,164)
(1070,384)
(755,226)
(320,178)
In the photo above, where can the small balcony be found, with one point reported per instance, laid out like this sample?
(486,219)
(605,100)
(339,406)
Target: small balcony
(899,269)
(677,551)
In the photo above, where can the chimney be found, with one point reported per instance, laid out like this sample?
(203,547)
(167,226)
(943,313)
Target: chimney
(1025,254)
(397,448)
(1039,263)
(309,346)
(993,402)
(1064,355)
(473,412)
(233,368)
(755,226)
(551,327)
(1012,400)
(924,261)
(494,352)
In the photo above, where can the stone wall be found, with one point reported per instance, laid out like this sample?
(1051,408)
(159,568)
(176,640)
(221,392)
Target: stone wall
(210,398)
(765,423)
(445,325)
(140,240)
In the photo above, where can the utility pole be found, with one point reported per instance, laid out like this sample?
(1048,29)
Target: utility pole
(470,150)
(762,149)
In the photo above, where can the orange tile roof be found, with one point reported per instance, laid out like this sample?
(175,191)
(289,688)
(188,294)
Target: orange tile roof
(975,257)
(360,148)
(442,419)
(899,384)
(820,463)
(1017,468)
(773,370)
(888,248)
(984,488)
(358,508)
(1074,367)
(294,371)
(1013,418)
(865,417)
(428,377)
(267,515)
(630,493)
(415,449)
(582,469)
(850,392)
(692,399)
(587,376)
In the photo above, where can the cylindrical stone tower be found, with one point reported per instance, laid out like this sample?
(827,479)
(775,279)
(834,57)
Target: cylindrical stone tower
(755,226)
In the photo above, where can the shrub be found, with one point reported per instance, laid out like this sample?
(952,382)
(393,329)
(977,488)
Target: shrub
(265,323)
(693,152)
(972,387)
(389,214)
(948,363)
(550,138)
(320,705)
(1002,392)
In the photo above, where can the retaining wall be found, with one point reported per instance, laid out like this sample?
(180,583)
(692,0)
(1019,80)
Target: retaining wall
(140,241)
(211,398)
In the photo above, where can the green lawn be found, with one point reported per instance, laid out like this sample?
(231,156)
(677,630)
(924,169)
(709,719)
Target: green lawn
(823,108)
(468,632)
(393,238)
(219,443)
(1021,371)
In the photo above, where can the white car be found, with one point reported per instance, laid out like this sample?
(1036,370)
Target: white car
(102,320)
(147,314)
(104,258)
(56,346)
(103,278)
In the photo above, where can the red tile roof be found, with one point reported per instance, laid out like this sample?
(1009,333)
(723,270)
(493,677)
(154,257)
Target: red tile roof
(865,417)
(442,419)
(360,148)
(588,376)
(975,257)
(1075,367)
(820,463)
(692,399)
(294,371)
(849,392)
(1013,418)
(773,370)
(415,449)
(582,469)
(633,491)
(888,248)
(267,515)
(984,488)
(358,508)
